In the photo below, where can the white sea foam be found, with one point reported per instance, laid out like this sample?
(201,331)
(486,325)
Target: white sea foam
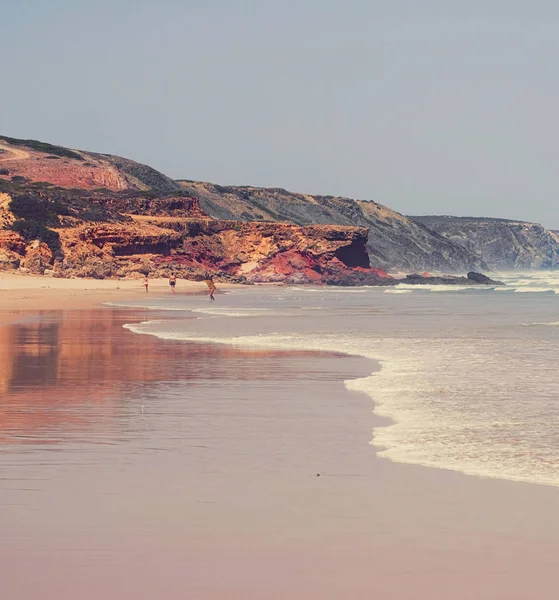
(532,282)
(481,401)
(138,327)
(441,288)
(535,290)
(237,312)
(148,306)
(331,290)
(436,420)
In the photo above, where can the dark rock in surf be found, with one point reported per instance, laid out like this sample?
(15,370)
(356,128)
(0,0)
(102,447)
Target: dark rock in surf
(472,278)
(482,279)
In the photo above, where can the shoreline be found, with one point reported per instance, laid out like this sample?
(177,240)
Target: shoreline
(36,293)
(33,294)
(353,385)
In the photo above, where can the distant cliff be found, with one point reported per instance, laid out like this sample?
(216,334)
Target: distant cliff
(501,243)
(395,242)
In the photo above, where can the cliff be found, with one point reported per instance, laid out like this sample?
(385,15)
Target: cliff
(395,242)
(41,162)
(73,213)
(500,243)
(68,212)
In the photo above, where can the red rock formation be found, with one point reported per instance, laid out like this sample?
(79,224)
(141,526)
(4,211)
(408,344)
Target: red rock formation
(12,249)
(252,252)
(10,241)
(38,161)
(274,251)
(148,224)
(64,172)
(38,257)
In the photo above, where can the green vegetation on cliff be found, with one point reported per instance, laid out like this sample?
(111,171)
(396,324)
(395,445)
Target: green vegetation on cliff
(43,147)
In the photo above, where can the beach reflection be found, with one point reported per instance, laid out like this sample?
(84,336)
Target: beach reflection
(47,362)
(65,372)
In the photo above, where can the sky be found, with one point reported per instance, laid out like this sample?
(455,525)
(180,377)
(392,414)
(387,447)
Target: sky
(427,106)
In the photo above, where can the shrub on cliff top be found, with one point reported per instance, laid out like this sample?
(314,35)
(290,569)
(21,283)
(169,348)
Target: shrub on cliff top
(26,207)
(43,209)
(19,179)
(33,214)
(33,230)
(43,147)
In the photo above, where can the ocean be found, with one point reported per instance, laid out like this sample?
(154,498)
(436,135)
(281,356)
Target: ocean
(467,379)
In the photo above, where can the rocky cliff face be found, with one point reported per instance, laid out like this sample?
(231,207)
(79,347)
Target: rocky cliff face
(395,242)
(71,213)
(500,243)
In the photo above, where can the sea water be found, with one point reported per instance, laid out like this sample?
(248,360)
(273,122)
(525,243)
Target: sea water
(468,378)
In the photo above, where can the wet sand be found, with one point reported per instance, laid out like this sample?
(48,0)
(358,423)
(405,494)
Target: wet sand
(133,467)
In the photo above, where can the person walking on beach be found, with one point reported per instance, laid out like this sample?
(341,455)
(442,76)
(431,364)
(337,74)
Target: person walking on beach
(146,283)
(211,286)
(172,282)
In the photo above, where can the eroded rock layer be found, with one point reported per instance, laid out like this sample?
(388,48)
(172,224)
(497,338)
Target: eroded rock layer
(72,213)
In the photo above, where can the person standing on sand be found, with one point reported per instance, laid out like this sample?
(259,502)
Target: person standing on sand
(173,282)
(211,286)
(146,283)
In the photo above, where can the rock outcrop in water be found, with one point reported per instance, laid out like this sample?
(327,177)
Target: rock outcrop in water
(500,243)
(395,242)
(472,278)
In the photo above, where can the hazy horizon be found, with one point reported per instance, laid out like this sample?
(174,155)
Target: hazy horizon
(430,110)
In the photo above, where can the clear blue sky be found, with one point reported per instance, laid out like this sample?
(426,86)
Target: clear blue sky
(415,104)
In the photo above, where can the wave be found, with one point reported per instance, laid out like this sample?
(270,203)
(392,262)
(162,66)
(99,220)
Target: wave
(333,289)
(442,288)
(237,312)
(436,421)
(511,289)
(254,312)
(147,306)
(535,290)
(537,282)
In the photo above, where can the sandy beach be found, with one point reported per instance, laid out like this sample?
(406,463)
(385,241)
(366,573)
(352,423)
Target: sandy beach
(31,293)
(134,467)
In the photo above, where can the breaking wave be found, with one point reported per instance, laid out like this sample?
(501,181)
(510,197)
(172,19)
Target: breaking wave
(441,417)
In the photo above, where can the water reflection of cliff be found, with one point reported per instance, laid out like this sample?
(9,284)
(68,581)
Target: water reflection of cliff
(69,371)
